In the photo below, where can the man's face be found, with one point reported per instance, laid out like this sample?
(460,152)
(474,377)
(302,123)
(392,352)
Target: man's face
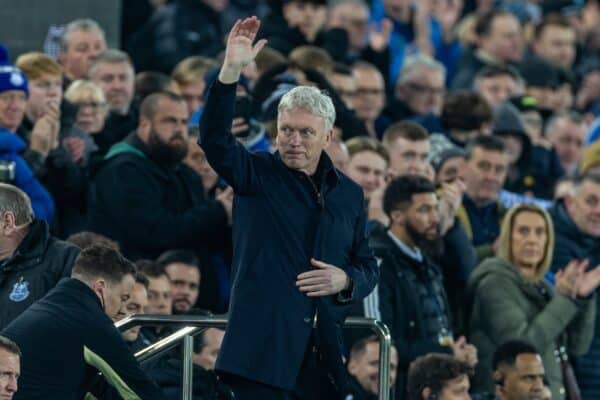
(339,155)
(485,175)
(584,208)
(185,285)
(117,82)
(135,305)
(408,157)
(44,91)
(196,160)
(82,48)
(167,131)
(207,357)
(354,18)
(301,137)
(12,109)
(525,381)
(365,368)
(307,17)
(556,44)
(422,218)
(116,295)
(452,170)
(423,92)
(370,93)
(568,139)
(10,369)
(505,40)
(159,296)
(456,389)
(497,89)
(345,86)
(193,94)
(367,169)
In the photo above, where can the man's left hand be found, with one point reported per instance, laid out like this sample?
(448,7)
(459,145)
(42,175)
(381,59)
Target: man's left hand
(325,280)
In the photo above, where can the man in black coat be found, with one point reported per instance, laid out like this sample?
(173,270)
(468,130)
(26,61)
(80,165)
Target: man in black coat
(145,198)
(31,260)
(300,245)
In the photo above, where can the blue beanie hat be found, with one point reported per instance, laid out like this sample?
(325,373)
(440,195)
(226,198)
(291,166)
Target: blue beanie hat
(11,78)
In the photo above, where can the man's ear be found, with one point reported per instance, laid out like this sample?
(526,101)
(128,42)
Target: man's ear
(351,367)
(397,217)
(8,223)
(144,127)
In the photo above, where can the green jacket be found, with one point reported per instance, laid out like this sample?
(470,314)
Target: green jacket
(506,306)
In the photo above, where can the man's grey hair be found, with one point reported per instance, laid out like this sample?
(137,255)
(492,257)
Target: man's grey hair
(110,56)
(572,116)
(80,25)
(593,177)
(416,63)
(312,100)
(15,201)
(10,346)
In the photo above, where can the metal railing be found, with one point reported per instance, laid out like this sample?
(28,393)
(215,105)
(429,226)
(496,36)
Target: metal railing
(195,324)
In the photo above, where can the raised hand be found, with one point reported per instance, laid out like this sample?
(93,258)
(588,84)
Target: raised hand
(240,49)
(587,282)
(569,277)
(380,38)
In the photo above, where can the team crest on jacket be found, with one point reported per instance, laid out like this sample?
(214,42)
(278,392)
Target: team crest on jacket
(20,291)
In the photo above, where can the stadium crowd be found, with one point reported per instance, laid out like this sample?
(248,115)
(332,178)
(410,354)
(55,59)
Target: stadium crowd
(472,127)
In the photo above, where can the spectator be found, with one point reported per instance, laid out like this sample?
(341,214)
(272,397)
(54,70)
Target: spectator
(148,82)
(511,300)
(183,269)
(113,71)
(82,41)
(343,82)
(448,161)
(566,132)
(13,100)
(160,301)
(135,305)
(189,74)
(86,238)
(363,367)
(92,108)
(196,160)
(311,57)
(129,201)
(518,371)
(577,228)
(590,159)
(368,164)
(554,40)
(338,152)
(10,368)
(408,146)
(370,98)
(496,84)
(542,82)
(31,260)
(465,115)
(440,377)
(76,318)
(412,298)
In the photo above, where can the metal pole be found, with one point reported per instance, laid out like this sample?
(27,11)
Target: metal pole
(188,368)
(385,344)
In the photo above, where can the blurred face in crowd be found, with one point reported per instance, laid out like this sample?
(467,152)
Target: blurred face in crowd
(497,89)
(524,380)
(456,389)
(529,239)
(345,86)
(514,147)
(207,357)
(364,367)
(117,83)
(91,115)
(504,40)
(185,286)
(409,157)
(82,48)
(452,169)
(420,220)
(534,124)
(338,152)
(309,18)
(12,109)
(584,208)
(568,139)
(159,296)
(423,91)
(354,18)
(193,94)
(196,160)
(114,295)
(217,5)
(396,9)
(301,137)
(135,305)
(547,98)
(485,175)
(556,44)
(43,92)
(589,90)
(10,370)
(367,169)
(370,93)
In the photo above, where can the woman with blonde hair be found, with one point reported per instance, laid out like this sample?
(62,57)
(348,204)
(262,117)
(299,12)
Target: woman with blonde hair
(512,300)
(92,104)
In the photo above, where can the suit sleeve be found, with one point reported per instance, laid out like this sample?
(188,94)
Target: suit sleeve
(224,153)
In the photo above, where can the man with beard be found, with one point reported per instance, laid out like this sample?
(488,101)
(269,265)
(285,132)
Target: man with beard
(412,298)
(145,198)
(183,270)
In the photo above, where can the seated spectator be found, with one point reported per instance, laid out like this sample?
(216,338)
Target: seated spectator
(13,100)
(465,115)
(497,84)
(542,81)
(189,74)
(160,301)
(554,40)
(338,152)
(86,238)
(343,82)
(311,57)
(183,269)
(518,371)
(31,260)
(145,198)
(439,377)
(368,164)
(84,339)
(10,368)
(369,100)
(148,82)
(135,305)
(196,160)
(408,146)
(511,299)
(412,298)
(566,132)
(92,108)
(363,367)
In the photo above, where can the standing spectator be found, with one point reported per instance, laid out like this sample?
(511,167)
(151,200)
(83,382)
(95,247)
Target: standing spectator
(497,83)
(369,100)
(554,40)
(183,269)
(518,371)
(76,318)
(92,108)
(10,368)
(465,115)
(196,160)
(31,260)
(511,299)
(408,146)
(566,132)
(338,152)
(368,164)
(439,377)
(189,74)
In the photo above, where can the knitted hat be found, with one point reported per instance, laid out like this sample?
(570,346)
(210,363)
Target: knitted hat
(441,150)
(507,120)
(590,157)
(11,78)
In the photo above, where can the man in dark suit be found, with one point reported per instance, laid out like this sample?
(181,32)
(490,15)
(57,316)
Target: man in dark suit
(300,245)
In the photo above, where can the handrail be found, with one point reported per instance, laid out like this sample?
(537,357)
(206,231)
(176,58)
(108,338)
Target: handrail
(194,324)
